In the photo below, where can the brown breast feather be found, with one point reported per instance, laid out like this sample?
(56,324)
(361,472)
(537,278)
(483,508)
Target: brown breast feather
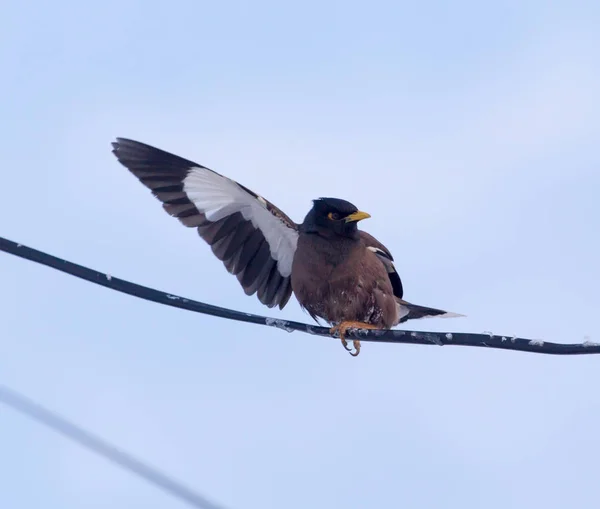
(339,279)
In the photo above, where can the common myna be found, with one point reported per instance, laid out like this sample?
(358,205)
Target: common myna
(337,272)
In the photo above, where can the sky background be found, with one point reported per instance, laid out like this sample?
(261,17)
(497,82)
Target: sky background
(468,130)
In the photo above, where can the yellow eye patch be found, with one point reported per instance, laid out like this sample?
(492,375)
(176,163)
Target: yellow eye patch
(334,216)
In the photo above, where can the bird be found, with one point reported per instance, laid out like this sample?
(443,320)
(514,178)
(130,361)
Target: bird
(338,273)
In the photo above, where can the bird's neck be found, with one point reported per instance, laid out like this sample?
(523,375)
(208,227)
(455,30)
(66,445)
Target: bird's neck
(330,235)
(331,248)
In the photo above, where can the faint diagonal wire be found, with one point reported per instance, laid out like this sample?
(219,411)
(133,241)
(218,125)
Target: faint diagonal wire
(52,420)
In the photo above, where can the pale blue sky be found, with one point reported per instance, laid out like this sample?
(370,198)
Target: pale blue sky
(469,131)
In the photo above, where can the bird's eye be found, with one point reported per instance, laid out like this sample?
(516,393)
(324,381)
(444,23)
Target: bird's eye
(334,216)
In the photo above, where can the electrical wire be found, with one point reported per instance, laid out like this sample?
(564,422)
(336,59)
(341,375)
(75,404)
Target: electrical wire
(484,340)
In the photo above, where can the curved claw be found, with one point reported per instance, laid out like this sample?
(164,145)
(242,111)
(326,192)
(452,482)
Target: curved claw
(343,327)
(345,345)
(356,348)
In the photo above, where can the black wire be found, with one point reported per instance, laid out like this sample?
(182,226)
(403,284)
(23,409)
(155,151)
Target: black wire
(73,432)
(390,336)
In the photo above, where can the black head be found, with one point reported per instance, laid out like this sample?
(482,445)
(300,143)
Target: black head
(331,216)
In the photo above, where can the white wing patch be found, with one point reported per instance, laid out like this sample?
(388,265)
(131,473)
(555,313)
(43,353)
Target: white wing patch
(218,197)
(378,251)
(384,257)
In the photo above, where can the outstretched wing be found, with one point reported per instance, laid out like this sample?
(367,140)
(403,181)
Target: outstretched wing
(386,258)
(255,240)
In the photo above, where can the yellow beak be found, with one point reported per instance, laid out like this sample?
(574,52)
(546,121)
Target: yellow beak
(357,216)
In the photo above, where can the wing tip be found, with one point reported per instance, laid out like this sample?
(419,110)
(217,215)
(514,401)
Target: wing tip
(124,148)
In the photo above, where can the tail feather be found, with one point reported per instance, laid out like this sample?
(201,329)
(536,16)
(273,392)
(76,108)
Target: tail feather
(410,311)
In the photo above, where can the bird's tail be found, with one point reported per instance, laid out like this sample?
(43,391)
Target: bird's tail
(410,311)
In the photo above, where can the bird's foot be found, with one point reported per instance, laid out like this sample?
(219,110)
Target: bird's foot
(342,327)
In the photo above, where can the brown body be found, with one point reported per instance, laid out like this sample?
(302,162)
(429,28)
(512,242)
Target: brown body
(339,279)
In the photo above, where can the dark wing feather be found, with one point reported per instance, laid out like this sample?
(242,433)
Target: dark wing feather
(386,258)
(254,239)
